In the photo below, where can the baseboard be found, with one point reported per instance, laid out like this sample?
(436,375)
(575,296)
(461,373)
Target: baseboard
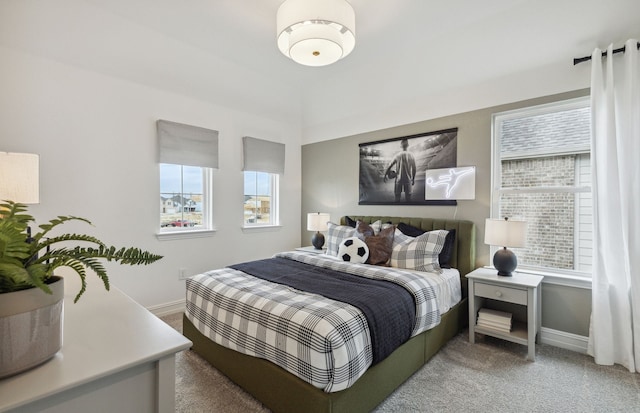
(168,308)
(563,339)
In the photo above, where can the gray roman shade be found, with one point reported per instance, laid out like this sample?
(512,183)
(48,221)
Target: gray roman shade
(263,156)
(187,145)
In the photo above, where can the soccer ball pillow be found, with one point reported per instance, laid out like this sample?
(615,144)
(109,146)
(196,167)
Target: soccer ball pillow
(353,250)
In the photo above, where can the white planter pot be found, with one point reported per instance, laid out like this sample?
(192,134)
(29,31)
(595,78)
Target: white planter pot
(30,327)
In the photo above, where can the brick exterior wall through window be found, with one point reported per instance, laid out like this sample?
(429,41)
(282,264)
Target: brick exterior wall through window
(550,216)
(548,150)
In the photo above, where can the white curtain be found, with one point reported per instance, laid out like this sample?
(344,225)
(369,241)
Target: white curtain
(614,336)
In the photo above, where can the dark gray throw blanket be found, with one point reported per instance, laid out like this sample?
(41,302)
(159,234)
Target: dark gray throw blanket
(388,307)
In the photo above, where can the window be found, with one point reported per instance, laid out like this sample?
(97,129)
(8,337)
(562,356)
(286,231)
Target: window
(260,198)
(542,174)
(187,157)
(184,197)
(263,164)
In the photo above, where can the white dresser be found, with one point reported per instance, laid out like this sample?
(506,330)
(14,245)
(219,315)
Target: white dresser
(116,357)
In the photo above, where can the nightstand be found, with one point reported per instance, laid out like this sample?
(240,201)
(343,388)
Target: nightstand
(521,289)
(312,249)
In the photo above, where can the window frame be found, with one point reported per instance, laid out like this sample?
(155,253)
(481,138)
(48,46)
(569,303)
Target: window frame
(274,207)
(576,278)
(207,226)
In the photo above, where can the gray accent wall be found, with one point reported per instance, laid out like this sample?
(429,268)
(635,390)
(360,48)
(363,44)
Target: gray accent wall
(330,184)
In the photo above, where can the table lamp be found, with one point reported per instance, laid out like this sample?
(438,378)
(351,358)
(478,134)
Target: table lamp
(505,233)
(19,177)
(317,221)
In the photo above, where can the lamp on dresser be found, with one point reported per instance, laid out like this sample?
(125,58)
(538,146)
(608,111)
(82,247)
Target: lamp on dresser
(19,177)
(317,221)
(505,233)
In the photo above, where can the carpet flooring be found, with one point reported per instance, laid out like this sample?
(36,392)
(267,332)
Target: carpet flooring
(489,376)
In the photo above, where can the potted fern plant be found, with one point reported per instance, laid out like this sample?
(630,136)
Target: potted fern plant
(31,295)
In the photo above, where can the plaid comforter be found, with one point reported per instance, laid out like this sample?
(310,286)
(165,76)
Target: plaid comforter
(324,342)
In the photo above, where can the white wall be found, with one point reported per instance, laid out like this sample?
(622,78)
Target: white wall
(96,139)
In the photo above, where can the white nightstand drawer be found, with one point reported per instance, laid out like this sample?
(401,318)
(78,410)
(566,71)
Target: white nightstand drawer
(510,295)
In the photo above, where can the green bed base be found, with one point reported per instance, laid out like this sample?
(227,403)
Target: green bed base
(281,391)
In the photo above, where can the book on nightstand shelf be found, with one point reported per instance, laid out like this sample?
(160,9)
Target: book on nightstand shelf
(497,320)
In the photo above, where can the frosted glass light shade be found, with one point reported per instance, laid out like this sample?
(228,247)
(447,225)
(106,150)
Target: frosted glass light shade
(316,32)
(317,221)
(19,177)
(505,233)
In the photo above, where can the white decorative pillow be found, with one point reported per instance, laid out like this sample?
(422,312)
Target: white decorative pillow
(335,235)
(419,253)
(354,250)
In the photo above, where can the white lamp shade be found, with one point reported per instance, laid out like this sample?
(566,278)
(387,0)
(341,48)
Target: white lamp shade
(317,221)
(19,177)
(505,233)
(316,32)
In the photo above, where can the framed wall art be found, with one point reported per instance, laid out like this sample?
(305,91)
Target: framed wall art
(394,171)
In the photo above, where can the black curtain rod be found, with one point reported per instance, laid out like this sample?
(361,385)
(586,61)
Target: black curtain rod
(584,59)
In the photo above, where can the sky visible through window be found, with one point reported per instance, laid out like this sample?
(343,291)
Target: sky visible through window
(170,180)
(257,181)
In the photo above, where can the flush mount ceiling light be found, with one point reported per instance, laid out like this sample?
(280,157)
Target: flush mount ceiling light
(316,32)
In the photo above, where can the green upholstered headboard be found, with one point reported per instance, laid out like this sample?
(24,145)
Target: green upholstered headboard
(464,252)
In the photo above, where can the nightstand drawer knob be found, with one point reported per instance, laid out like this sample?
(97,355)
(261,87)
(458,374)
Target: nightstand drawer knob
(498,293)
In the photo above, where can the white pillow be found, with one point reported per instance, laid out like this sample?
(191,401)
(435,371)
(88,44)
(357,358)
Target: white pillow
(354,250)
(419,253)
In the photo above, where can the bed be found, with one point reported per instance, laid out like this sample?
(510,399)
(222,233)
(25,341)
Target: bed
(282,391)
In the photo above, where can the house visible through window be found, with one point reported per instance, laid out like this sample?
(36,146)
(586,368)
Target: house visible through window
(183,197)
(542,174)
(260,198)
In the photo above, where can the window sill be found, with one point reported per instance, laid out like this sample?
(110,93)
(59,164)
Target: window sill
(196,233)
(564,279)
(558,278)
(260,228)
